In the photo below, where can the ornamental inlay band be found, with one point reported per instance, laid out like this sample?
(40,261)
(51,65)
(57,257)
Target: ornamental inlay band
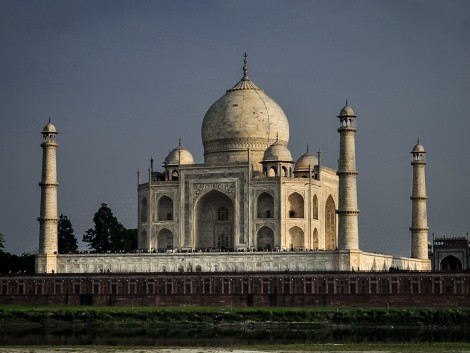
(226,188)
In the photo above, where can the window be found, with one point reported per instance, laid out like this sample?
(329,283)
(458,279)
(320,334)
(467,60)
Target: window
(222,214)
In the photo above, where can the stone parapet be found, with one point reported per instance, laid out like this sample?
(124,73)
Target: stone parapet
(276,261)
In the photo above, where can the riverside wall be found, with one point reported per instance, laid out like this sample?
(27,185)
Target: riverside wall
(248,289)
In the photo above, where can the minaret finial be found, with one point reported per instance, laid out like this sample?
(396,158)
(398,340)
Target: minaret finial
(307,147)
(245,67)
(418,141)
(346,101)
(277,136)
(179,142)
(49,120)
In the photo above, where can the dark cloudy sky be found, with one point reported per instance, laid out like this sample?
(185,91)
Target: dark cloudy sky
(124,80)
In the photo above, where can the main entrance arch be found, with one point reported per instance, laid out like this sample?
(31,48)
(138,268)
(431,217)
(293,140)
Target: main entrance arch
(214,221)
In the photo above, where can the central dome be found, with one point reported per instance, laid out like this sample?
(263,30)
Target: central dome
(244,118)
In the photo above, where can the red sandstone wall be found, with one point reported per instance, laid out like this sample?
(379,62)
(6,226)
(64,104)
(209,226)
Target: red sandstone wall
(241,290)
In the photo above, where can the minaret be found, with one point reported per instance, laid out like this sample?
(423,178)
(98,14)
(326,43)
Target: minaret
(47,258)
(348,233)
(419,219)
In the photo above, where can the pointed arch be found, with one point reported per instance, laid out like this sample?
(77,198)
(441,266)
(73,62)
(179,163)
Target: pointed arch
(265,206)
(295,205)
(272,172)
(297,241)
(315,207)
(330,224)
(285,171)
(165,240)
(214,217)
(265,238)
(450,263)
(143,240)
(164,209)
(143,210)
(314,245)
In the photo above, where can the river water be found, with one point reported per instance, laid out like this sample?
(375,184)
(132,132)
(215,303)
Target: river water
(191,336)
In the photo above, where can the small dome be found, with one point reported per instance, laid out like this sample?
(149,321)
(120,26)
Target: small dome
(49,128)
(347,111)
(418,148)
(305,162)
(278,151)
(179,155)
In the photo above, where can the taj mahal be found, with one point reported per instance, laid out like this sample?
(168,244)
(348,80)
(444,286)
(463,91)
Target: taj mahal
(249,207)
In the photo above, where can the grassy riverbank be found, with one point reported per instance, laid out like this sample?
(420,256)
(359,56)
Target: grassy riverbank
(146,316)
(136,329)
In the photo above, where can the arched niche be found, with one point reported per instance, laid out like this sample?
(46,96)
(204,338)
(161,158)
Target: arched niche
(295,205)
(214,221)
(315,207)
(297,241)
(165,240)
(143,239)
(330,224)
(450,263)
(164,209)
(143,209)
(265,238)
(314,244)
(265,206)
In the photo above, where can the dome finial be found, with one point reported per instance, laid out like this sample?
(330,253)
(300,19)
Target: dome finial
(245,67)
(307,147)
(179,142)
(346,102)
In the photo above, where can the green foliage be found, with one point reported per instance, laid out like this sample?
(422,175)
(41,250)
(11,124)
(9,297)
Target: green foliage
(108,235)
(128,241)
(2,243)
(13,264)
(67,240)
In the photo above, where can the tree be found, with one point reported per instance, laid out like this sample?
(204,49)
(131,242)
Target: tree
(2,243)
(67,240)
(129,240)
(107,233)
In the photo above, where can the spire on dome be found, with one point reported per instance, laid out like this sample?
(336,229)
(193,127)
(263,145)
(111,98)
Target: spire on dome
(245,67)
(245,82)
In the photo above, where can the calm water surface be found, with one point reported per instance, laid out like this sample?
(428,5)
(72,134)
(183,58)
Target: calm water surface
(190,336)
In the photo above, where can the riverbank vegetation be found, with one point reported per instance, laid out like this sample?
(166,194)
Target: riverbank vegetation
(151,316)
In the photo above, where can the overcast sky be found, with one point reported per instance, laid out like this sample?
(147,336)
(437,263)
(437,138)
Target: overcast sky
(124,80)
